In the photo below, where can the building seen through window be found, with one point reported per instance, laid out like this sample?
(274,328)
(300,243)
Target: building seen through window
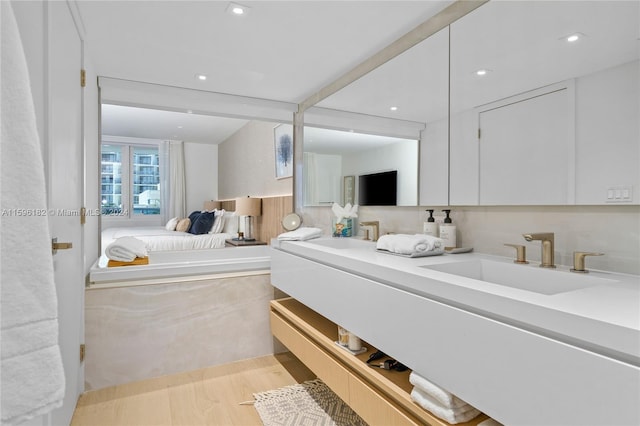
(130,180)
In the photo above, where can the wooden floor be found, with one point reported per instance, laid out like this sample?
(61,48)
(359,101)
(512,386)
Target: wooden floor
(210,396)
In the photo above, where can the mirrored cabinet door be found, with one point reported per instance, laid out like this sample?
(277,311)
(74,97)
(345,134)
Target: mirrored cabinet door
(511,142)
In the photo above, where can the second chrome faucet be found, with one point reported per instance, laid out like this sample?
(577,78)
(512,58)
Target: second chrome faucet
(547,239)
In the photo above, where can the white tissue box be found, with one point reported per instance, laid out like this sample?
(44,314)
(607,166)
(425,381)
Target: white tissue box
(344,228)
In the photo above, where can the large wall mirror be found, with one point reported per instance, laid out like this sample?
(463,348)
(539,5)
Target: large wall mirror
(544,104)
(533,117)
(384,120)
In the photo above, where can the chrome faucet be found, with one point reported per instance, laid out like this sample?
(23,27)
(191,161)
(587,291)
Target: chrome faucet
(376,229)
(547,247)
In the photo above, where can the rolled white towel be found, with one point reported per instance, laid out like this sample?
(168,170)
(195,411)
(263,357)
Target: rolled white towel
(301,234)
(408,244)
(443,396)
(451,415)
(126,249)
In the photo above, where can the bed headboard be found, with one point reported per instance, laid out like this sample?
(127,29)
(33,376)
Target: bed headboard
(274,209)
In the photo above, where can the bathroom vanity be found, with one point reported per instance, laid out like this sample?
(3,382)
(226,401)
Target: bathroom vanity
(523,344)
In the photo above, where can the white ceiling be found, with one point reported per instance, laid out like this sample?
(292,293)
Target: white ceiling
(280,50)
(167,125)
(288,50)
(520,42)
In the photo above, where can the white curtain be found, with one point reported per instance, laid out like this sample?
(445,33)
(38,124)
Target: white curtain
(310,196)
(173,200)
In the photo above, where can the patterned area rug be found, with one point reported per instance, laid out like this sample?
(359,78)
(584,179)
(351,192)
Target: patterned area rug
(307,404)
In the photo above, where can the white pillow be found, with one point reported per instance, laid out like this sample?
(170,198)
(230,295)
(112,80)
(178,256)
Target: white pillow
(218,224)
(171,225)
(230,223)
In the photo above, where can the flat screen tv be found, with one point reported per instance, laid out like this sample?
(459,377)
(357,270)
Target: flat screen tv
(378,189)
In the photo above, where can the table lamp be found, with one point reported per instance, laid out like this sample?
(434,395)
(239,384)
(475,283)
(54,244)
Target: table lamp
(248,207)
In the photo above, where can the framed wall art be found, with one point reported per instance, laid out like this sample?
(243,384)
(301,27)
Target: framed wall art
(283,145)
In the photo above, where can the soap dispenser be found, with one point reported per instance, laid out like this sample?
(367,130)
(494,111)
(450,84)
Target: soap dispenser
(430,227)
(448,231)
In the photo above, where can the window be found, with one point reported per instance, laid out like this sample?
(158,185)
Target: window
(130,180)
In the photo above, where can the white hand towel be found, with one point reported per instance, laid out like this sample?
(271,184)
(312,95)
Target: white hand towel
(451,415)
(32,372)
(126,249)
(444,397)
(408,244)
(301,234)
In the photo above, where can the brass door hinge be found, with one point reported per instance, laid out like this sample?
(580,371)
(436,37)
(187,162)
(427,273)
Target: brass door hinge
(82,350)
(83,215)
(83,78)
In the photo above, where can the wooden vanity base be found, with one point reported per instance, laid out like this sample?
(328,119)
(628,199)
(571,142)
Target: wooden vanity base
(380,397)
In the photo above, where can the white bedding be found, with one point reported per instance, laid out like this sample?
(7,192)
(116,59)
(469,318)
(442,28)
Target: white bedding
(157,238)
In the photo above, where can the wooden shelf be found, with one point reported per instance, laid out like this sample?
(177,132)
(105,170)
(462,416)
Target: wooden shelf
(390,390)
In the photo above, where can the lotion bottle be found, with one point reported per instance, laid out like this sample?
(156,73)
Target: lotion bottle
(430,227)
(448,231)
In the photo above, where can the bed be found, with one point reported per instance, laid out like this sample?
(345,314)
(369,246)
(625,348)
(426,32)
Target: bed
(158,238)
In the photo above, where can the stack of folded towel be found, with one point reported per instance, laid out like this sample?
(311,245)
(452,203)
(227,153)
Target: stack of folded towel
(126,249)
(410,245)
(439,401)
(301,234)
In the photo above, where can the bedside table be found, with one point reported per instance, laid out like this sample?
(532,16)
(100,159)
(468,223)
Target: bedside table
(243,243)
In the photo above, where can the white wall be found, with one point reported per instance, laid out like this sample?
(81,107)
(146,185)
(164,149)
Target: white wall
(201,174)
(247,164)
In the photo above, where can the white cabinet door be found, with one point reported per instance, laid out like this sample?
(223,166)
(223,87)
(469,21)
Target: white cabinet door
(526,151)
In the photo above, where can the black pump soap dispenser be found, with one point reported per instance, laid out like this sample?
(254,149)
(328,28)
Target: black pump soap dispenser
(448,231)
(430,227)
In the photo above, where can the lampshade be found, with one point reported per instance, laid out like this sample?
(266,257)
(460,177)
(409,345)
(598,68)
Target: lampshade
(212,205)
(247,206)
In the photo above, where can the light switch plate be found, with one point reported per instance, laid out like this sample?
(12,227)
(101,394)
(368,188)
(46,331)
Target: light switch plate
(619,194)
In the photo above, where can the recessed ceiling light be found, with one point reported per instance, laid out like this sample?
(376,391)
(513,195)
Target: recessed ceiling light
(572,38)
(237,9)
(201,77)
(179,127)
(394,108)
(482,72)
(189,111)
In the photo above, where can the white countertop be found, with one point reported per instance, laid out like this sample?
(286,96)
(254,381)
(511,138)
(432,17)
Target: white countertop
(603,317)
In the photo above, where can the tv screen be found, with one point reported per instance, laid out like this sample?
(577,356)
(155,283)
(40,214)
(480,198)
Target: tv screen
(378,189)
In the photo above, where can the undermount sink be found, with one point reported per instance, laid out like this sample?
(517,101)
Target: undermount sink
(344,243)
(543,281)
